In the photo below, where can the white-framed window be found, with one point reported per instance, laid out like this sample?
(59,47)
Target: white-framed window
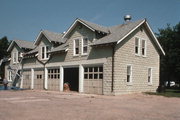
(137,46)
(149,75)
(129,74)
(44,52)
(84,46)
(76,47)
(9,75)
(15,57)
(143,47)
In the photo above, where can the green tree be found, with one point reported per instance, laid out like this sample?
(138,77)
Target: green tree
(4,43)
(169,38)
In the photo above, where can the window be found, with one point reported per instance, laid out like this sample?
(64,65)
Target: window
(15,57)
(150,75)
(54,73)
(44,52)
(84,46)
(137,46)
(9,76)
(129,74)
(93,72)
(39,76)
(76,47)
(143,47)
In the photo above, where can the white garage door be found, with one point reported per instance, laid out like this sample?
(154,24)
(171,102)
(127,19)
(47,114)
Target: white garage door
(26,79)
(53,79)
(93,80)
(39,79)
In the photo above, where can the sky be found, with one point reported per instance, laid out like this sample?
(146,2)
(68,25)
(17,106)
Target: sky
(24,19)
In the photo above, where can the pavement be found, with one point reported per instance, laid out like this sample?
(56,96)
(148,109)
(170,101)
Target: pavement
(48,105)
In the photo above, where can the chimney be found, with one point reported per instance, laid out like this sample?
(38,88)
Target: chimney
(127,18)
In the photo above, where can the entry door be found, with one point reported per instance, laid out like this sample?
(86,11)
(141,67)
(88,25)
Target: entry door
(93,80)
(27,79)
(38,79)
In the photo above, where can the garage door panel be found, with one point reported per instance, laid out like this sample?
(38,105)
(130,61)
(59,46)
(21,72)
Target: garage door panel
(53,79)
(39,79)
(93,79)
(27,79)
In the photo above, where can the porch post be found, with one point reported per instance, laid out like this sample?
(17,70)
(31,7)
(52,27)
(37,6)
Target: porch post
(45,78)
(61,81)
(32,78)
(81,78)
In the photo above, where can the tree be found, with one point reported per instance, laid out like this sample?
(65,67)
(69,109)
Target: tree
(4,43)
(169,38)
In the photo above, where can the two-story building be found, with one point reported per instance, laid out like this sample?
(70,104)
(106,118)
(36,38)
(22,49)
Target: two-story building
(91,58)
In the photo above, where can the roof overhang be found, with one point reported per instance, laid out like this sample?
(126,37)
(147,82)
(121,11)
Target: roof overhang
(150,31)
(39,38)
(74,25)
(11,45)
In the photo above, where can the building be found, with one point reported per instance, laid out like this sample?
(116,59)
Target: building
(91,58)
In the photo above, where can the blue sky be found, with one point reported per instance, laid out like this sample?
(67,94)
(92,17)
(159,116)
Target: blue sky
(23,19)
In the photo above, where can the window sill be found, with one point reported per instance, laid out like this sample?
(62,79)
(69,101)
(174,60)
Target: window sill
(144,56)
(84,54)
(45,59)
(150,84)
(137,55)
(76,55)
(129,83)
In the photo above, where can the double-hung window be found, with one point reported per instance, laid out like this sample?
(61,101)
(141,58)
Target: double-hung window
(44,52)
(129,74)
(137,46)
(15,57)
(143,48)
(76,47)
(150,75)
(84,46)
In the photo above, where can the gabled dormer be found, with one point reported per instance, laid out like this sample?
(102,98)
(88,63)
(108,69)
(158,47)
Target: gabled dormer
(45,42)
(17,48)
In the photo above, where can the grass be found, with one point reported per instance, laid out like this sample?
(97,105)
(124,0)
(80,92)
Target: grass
(167,93)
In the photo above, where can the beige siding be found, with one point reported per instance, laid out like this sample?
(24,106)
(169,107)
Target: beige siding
(125,55)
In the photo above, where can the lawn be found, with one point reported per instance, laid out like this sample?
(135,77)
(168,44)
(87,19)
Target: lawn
(167,93)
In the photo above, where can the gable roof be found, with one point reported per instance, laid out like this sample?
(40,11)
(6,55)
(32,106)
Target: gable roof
(51,36)
(21,44)
(91,26)
(118,32)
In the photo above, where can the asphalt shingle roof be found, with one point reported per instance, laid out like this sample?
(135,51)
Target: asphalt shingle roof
(95,26)
(117,33)
(52,36)
(62,47)
(24,44)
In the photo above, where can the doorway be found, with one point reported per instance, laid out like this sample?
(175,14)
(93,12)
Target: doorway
(71,76)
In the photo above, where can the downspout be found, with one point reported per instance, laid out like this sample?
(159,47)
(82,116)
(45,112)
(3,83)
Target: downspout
(113,51)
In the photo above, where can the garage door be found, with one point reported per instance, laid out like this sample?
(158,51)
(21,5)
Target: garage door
(53,79)
(38,79)
(93,80)
(26,79)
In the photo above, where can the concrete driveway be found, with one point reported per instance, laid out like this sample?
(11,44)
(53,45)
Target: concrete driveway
(43,105)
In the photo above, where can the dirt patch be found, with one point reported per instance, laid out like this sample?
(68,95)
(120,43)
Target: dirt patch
(43,105)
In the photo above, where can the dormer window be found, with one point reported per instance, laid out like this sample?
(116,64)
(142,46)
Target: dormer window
(15,57)
(76,47)
(84,46)
(44,52)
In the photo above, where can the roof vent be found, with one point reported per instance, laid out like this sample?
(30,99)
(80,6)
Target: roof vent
(127,18)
